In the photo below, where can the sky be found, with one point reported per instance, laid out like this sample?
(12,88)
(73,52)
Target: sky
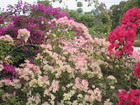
(70,3)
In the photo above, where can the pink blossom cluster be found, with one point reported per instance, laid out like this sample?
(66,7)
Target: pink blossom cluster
(122,37)
(131,97)
(28,71)
(136,56)
(69,71)
(71,63)
(73,45)
(83,60)
(92,93)
(7,38)
(101,46)
(80,28)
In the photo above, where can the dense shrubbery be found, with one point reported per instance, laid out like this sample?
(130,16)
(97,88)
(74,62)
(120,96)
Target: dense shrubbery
(47,58)
(97,20)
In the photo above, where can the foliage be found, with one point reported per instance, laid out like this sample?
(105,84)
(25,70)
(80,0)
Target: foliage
(98,20)
(117,13)
(79,4)
(103,23)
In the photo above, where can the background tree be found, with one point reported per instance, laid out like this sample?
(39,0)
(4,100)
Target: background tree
(117,13)
(45,2)
(103,22)
(79,5)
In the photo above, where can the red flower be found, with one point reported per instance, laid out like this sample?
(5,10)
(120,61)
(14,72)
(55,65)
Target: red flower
(137,69)
(122,38)
(129,98)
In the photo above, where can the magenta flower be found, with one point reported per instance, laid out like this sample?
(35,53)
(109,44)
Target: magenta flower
(10,69)
(129,98)
(137,69)
(122,38)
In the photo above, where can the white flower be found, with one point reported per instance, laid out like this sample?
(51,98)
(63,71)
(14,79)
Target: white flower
(23,34)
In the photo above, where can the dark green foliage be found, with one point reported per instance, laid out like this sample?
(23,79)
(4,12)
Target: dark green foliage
(79,4)
(79,10)
(117,13)
(20,53)
(5,48)
(45,2)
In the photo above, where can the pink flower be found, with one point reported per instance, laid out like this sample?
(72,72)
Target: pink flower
(7,38)
(7,81)
(136,55)
(55,85)
(44,78)
(45,103)
(85,82)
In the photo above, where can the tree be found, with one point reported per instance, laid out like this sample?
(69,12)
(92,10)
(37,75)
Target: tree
(117,13)
(87,18)
(79,4)
(45,2)
(132,4)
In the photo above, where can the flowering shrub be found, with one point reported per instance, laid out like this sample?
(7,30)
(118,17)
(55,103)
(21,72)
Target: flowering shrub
(35,10)
(70,74)
(122,37)
(129,98)
(47,58)
(23,18)
(24,30)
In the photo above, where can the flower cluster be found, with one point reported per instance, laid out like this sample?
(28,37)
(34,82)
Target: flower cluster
(136,56)
(137,69)
(9,69)
(24,8)
(80,28)
(129,98)
(122,37)
(23,34)
(7,38)
(49,11)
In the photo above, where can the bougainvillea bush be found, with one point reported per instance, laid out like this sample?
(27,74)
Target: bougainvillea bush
(122,41)
(47,58)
